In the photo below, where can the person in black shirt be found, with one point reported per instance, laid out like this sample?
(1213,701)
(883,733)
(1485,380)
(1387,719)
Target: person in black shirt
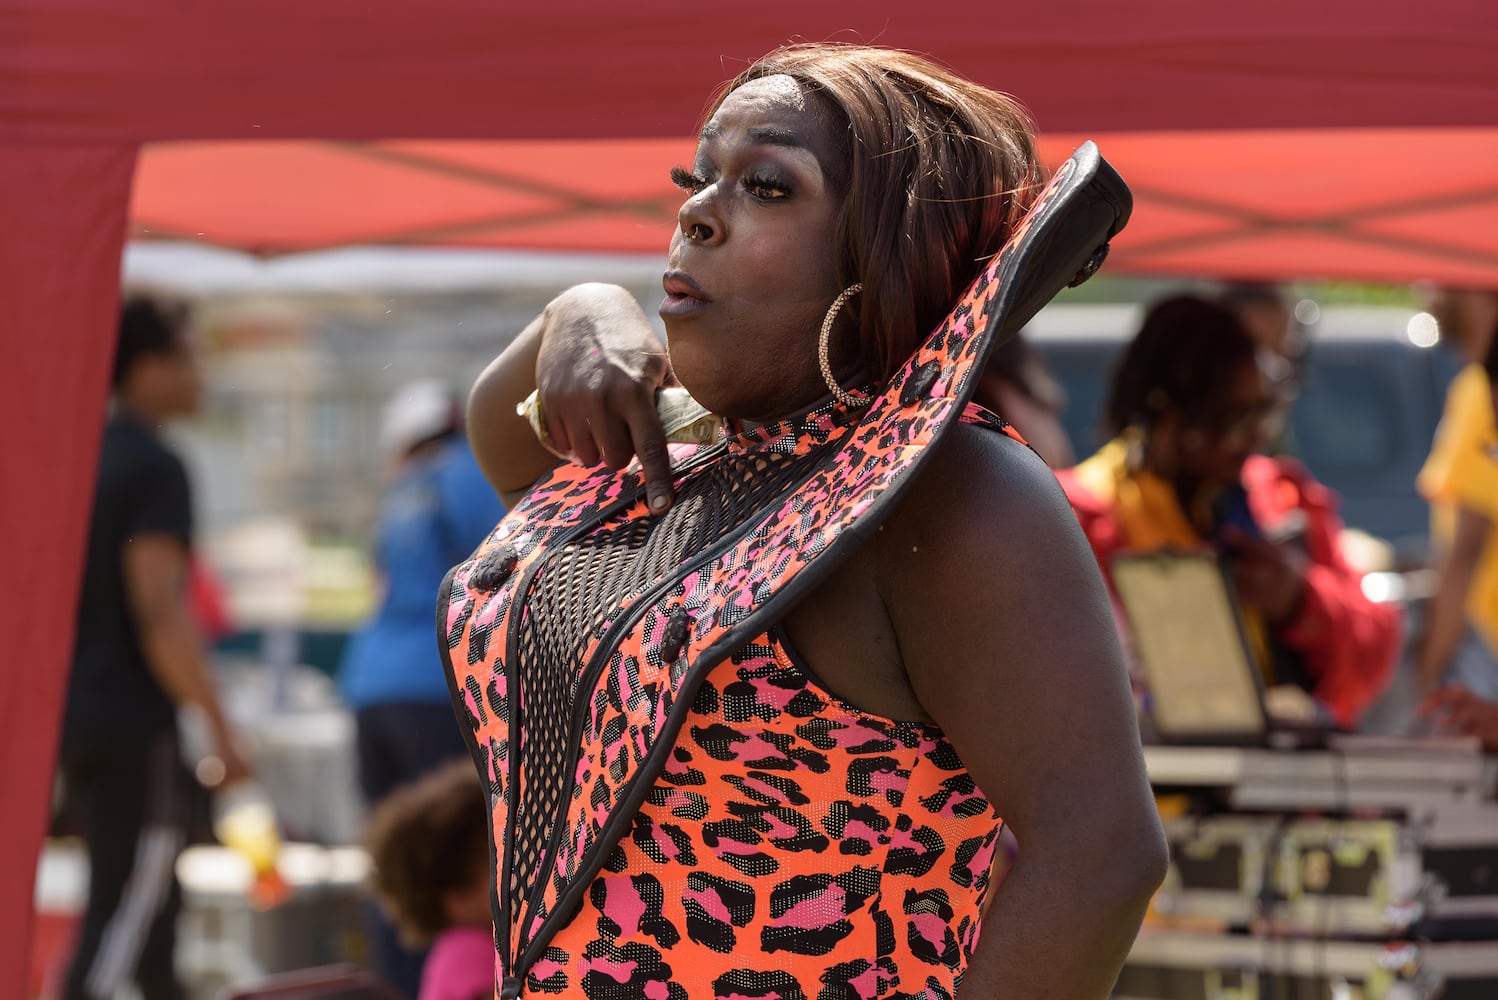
(137,657)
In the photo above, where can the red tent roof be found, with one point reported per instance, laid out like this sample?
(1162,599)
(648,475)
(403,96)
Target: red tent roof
(1272,182)
(93,71)
(1242,203)
(1337,139)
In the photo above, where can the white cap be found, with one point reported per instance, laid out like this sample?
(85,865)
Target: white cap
(419,410)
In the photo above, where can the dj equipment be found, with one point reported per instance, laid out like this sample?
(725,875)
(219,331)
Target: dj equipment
(1367,871)
(1367,877)
(1183,966)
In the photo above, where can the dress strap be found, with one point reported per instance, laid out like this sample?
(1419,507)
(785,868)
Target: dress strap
(982,416)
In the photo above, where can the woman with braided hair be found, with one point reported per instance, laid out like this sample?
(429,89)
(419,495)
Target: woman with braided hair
(752,714)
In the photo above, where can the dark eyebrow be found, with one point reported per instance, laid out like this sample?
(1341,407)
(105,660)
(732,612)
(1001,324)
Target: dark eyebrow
(775,135)
(764,135)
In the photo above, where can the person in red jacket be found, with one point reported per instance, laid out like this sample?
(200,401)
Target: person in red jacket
(1190,409)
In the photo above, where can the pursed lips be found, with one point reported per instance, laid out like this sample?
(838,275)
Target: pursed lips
(683,285)
(683,295)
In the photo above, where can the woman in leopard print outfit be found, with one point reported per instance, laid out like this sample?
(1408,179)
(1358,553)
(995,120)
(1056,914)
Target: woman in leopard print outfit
(749,714)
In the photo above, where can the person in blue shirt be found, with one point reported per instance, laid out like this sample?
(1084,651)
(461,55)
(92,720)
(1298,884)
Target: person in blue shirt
(435,510)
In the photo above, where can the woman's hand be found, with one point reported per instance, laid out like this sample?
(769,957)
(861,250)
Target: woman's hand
(1457,710)
(1270,577)
(595,362)
(597,371)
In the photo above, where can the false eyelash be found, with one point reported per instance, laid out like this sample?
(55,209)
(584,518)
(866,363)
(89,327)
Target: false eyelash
(771,181)
(686,180)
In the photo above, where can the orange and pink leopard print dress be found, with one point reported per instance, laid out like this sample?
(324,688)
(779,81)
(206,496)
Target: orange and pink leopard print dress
(679,810)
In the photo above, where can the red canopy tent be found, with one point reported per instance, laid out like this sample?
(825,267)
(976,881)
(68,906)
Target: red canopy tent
(1338,139)
(1252,203)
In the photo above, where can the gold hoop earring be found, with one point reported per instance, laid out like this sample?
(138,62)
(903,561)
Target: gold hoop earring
(823,344)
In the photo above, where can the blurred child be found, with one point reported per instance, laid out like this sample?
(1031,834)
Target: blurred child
(429,844)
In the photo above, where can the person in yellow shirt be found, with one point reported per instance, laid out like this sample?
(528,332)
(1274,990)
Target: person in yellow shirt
(1460,480)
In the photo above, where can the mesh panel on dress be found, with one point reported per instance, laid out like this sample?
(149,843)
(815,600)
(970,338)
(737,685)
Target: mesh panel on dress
(582,588)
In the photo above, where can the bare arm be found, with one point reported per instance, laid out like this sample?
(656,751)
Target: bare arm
(155,575)
(1005,632)
(1448,609)
(1457,710)
(597,363)
(503,443)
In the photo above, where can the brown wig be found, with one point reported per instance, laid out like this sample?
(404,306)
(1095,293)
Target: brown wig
(1187,349)
(426,839)
(938,172)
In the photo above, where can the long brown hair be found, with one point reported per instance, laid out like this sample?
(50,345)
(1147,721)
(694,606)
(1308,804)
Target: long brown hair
(938,172)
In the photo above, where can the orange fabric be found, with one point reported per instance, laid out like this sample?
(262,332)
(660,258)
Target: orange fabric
(788,838)
(1348,643)
(793,841)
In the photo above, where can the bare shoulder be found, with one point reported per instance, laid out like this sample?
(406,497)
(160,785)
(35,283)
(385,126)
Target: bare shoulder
(1007,638)
(987,577)
(930,565)
(982,494)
